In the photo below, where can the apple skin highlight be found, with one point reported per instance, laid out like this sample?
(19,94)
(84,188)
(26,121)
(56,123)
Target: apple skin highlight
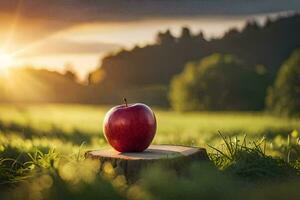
(130,128)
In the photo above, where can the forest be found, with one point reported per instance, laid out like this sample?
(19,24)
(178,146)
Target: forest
(145,73)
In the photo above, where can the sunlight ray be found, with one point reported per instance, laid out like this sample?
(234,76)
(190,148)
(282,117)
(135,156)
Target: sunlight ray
(31,46)
(19,90)
(12,30)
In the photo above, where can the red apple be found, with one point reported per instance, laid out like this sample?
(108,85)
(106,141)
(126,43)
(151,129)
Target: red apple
(129,128)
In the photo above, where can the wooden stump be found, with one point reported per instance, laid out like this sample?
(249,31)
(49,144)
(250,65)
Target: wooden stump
(130,164)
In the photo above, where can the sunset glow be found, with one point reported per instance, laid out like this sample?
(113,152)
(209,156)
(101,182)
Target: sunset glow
(82,39)
(6,60)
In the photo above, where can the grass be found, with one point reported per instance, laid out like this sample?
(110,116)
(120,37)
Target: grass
(251,161)
(42,147)
(85,122)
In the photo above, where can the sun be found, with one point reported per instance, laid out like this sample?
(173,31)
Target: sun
(6,60)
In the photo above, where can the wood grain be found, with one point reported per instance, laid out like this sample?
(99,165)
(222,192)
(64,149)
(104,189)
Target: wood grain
(130,164)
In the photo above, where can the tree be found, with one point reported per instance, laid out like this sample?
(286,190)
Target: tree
(165,38)
(70,73)
(284,97)
(186,35)
(218,82)
(95,77)
(156,64)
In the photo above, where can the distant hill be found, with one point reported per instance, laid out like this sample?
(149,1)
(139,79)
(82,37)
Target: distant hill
(40,86)
(156,64)
(143,74)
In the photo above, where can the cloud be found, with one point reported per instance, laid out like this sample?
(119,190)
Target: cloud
(63,46)
(76,11)
(35,20)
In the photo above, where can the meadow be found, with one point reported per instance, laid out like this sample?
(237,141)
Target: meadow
(173,127)
(42,148)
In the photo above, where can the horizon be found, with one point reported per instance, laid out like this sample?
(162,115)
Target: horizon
(90,61)
(82,43)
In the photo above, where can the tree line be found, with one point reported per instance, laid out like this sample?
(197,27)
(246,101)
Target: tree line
(234,72)
(145,73)
(224,82)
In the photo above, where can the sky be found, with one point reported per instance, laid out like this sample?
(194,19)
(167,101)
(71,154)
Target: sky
(54,34)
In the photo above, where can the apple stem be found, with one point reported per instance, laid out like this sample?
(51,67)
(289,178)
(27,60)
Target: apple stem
(125,101)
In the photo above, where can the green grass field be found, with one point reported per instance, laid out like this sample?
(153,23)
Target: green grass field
(173,127)
(42,147)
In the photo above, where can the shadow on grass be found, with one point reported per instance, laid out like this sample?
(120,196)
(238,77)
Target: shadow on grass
(272,133)
(269,133)
(76,136)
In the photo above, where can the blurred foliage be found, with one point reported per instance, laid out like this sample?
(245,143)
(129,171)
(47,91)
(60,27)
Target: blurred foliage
(250,161)
(40,86)
(284,97)
(159,62)
(143,74)
(218,82)
(266,45)
(75,124)
(241,169)
(38,161)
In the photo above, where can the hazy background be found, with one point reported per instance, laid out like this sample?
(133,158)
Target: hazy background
(185,55)
(203,66)
(52,33)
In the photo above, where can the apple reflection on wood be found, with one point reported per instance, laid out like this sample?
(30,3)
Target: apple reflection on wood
(130,127)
